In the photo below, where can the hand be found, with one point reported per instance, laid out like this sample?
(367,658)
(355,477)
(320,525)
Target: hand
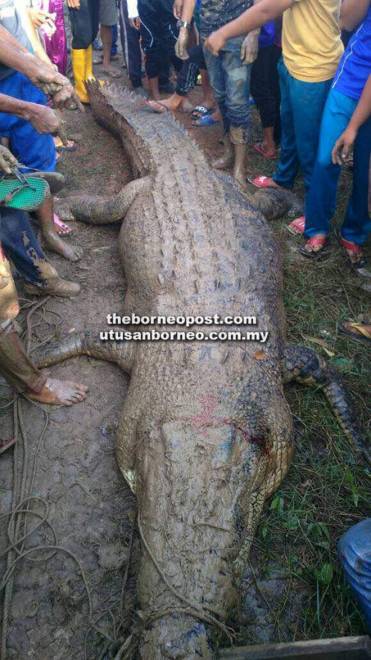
(178,8)
(73,4)
(7,161)
(215,42)
(181,46)
(250,47)
(43,118)
(343,146)
(135,22)
(52,83)
(38,17)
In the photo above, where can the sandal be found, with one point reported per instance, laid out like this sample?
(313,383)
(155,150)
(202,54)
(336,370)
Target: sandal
(156,106)
(360,332)
(25,193)
(206,120)
(201,111)
(6,444)
(260,149)
(263,182)
(297,226)
(356,257)
(62,228)
(70,146)
(315,247)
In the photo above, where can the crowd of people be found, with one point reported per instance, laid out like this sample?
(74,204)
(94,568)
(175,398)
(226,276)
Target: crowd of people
(311,84)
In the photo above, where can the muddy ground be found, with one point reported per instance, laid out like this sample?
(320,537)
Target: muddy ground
(90,508)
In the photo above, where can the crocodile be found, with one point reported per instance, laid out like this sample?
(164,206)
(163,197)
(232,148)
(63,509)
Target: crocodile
(206,433)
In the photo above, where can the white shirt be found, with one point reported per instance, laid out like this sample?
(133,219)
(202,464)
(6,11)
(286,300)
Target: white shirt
(133,8)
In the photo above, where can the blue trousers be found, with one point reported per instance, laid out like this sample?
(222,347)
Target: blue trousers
(230,80)
(355,555)
(33,149)
(301,110)
(321,199)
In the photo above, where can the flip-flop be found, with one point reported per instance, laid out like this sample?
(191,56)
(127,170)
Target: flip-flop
(156,106)
(66,147)
(62,228)
(21,192)
(356,331)
(356,257)
(320,242)
(262,182)
(260,150)
(112,73)
(297,226)
(6,444)
(201,111)
(206,120)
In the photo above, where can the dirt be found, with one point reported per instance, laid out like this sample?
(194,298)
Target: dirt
(91,509)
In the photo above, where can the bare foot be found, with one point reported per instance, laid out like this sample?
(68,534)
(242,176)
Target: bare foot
(58,245)
(60,392)
(111,71)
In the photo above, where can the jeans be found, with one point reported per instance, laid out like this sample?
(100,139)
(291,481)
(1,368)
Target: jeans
(355,555)
(21,246)
(302,105)
(321,199)
(230,80)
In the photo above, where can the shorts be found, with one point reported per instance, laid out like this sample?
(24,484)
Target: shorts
(32,149)
(107,12)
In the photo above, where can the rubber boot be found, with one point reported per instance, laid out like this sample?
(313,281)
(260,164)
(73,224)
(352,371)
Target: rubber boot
(15,365)
(226,160)
(238,140)
(89,73)
(79,66)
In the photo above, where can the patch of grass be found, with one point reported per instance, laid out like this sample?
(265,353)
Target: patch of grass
(327,489)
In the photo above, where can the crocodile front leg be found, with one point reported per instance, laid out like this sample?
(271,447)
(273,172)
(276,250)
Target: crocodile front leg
(95,211)
(303,365)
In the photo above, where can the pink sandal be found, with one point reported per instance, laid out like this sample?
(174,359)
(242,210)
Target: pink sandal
(297,226)
(269,155)
(315,247)
(61,227)
(262,182)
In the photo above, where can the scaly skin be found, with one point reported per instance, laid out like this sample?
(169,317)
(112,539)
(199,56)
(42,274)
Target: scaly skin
(206,433)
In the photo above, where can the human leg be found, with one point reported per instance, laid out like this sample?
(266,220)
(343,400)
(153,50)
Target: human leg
(21,246)
(288,163)
(130,40)
(357,223)
(321,197)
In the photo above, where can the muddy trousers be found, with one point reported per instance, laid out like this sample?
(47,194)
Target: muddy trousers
(21,246)
(84,23)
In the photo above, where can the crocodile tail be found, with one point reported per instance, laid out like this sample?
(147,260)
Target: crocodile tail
(338,399)
(84,344)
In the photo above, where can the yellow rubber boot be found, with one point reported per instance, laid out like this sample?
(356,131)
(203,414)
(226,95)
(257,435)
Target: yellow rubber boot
(79,59)
(89,73)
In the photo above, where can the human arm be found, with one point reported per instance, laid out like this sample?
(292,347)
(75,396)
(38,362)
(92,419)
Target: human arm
(250,45)
(183,9)
(362,112)
(250,20)
(352,12)
(133,14)
(42,74)
(42,118)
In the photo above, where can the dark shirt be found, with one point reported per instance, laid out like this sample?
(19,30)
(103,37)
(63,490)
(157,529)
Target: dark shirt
(10,20)
(216,13)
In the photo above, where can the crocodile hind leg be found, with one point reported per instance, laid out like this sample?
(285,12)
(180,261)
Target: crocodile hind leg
(95,211)
(77,344)
(303,365)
